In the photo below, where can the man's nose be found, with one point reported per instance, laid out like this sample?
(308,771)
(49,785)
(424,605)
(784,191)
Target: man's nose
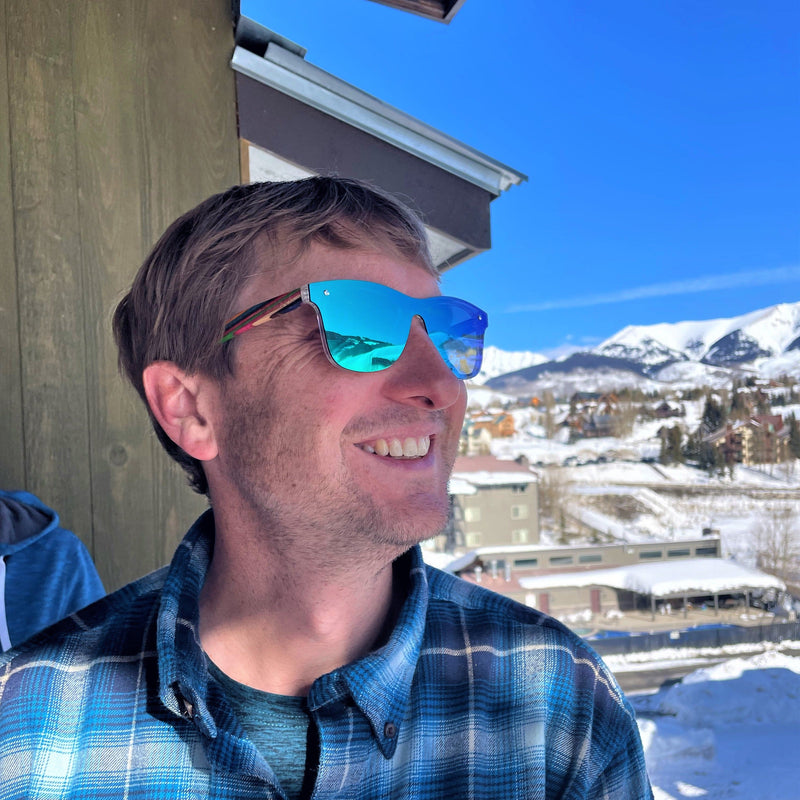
(420,376)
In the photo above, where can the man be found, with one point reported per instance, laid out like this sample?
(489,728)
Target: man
(297,359)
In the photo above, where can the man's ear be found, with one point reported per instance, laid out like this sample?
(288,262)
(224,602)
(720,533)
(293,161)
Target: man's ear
(180,404)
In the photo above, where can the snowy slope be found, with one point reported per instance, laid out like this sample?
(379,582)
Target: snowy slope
(499,362)
(760,334)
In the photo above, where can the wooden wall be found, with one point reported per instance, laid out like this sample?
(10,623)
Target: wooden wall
(115,117)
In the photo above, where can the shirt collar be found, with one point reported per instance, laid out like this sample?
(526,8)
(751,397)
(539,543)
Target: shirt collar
(379,683)
(183,675)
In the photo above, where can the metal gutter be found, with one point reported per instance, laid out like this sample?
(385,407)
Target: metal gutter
(281,66)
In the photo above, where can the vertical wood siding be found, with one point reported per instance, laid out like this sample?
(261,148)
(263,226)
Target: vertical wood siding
(120,117)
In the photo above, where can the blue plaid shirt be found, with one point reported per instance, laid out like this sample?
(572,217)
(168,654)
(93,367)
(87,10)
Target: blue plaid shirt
(473,696)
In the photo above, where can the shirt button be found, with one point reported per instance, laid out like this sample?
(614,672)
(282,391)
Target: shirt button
(390,730)
(187,709)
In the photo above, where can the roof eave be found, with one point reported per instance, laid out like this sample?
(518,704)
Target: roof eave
(282,67)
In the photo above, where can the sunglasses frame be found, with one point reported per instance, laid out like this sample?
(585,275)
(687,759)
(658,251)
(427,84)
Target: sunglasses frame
(266,310)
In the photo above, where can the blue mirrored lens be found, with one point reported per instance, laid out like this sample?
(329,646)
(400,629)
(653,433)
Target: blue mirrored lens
(367,325)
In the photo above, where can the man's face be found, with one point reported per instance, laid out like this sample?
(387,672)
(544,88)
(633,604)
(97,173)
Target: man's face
(301,440)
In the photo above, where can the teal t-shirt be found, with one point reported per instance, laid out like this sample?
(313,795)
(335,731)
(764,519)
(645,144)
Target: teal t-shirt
(277,724)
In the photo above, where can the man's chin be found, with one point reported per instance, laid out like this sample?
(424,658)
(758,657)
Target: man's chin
(416,523)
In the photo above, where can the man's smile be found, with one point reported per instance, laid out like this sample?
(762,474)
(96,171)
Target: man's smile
(408,447)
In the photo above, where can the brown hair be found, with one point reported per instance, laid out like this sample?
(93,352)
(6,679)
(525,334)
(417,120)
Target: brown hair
(185,290)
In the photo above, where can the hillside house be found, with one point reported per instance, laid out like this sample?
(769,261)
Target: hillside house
(480,428)
(474,441)
(592,415)
(590,425)
(665,410)
(761,439)
(498,425)
(493,503)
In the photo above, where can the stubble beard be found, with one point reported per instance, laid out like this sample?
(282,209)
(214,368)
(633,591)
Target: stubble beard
(323,516)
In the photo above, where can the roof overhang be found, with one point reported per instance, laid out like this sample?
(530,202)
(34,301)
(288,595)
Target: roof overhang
(440,10)
(690,577)
(328,126)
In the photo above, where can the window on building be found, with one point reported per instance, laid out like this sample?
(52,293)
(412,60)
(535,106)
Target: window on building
(473,539)
(561,560)
(679,553)
(472,514)
(519,512)
(526,562)
(520,488)
(706,551)
(644,554)
(520,536)
(590,558)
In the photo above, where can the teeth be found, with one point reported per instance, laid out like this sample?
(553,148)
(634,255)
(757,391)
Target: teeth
(408,448)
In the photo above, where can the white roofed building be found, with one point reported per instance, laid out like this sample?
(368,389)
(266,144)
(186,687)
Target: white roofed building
(656,586)
(493,502)
(602,582)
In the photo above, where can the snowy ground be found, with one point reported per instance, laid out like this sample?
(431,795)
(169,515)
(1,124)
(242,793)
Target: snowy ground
(725,732)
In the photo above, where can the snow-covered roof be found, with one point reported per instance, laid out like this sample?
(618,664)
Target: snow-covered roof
(434,559)
(458,486)
(495,478)
(491,471)
(662,579)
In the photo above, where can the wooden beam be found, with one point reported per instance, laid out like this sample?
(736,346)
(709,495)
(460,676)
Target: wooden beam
(12,453)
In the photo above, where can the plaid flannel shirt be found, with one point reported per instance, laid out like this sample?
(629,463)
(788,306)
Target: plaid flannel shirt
(473,696)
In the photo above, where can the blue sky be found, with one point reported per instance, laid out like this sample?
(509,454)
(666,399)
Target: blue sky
(660,140)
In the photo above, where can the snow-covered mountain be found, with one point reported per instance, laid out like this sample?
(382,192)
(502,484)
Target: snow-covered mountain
(499,362)
(722,342)
(765,343)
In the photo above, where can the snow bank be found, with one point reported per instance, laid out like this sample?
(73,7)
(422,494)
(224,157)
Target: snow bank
(727,731)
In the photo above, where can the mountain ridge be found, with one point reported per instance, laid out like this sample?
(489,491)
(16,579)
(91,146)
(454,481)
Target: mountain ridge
(765,343)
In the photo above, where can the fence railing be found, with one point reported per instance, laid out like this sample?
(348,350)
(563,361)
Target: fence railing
(697,637)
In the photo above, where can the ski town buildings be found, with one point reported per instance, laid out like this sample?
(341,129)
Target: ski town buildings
(493,539)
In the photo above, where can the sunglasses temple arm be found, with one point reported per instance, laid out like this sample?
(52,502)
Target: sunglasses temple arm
(261,313)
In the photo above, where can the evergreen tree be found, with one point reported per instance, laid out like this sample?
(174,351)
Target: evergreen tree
(794,436)
(740,407)
(691,450)
(663,455)
(711,459)
(763,404)
(713,416)
(675,441)
(671,449)
(702,453)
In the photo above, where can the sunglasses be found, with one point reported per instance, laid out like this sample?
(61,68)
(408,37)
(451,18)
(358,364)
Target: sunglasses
(365,326)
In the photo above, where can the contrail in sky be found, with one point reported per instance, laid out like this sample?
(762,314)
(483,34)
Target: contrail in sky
(758,277)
